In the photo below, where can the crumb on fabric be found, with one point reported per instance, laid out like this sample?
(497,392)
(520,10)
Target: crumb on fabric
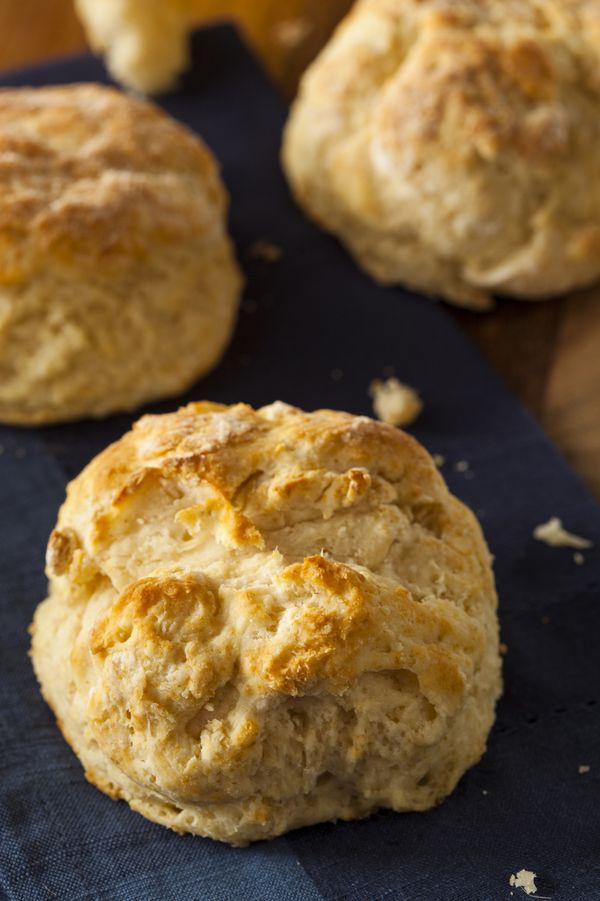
(578,558)
(395,403)
(439,460)
(462,466)
(553,534)
(524,879)
(266,251)
(583,768)
(503,648)
(249,305)
(291,32)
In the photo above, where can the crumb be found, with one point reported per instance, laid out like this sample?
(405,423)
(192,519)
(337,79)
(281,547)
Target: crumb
(439,460)
(524,879)
(582,769)
(266,251)
(553,534)
(395,403)
(462,466)
(503,648)
(249,305)
(337,375)
(291,32)
(578,558)
(484,791)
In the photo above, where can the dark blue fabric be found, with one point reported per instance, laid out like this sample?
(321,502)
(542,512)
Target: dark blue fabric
(525,805)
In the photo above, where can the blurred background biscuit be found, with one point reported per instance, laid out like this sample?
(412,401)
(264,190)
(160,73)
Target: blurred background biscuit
(145,42)
(118,283)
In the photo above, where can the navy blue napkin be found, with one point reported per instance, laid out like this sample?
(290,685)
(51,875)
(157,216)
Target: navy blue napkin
(314,332)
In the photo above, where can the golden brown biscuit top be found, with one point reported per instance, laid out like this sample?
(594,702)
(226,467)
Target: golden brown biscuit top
(493,72)
(454,145)
(233,555)
(89,177)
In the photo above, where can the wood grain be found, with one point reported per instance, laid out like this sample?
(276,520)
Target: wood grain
(548,353)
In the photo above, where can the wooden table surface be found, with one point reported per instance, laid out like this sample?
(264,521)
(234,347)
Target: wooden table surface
(548,353)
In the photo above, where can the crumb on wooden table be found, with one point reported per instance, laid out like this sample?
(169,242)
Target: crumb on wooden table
(524,879)
(291,32)
(553,534)
(395,403)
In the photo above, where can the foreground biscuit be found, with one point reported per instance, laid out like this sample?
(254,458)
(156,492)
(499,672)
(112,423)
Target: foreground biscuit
(259,620)
(453,144)
(118,283)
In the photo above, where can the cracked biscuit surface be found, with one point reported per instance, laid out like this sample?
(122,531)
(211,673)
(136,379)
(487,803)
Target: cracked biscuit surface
(118,283)
(263,619)
(452,145)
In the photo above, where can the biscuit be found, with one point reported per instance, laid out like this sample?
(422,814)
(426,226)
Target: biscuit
(146,48)
(118,283)
(452,145)
(259,620)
